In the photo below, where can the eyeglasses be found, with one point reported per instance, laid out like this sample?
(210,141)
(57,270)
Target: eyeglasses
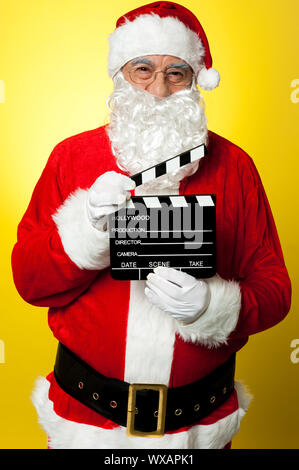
(145,74)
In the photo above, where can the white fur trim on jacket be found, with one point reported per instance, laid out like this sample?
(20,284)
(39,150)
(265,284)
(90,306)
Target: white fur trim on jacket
(86,246)
(150,340)
(153,35)
(220,318)
(65,434)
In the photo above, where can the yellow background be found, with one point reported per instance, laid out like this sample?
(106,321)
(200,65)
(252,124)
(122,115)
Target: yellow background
(53,67)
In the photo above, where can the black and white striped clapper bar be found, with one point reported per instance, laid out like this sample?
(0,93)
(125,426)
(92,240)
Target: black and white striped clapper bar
(170,165)
(177,231)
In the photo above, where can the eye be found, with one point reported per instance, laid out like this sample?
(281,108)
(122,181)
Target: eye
(176,76)
(176,73)
(142,68)
(140,73)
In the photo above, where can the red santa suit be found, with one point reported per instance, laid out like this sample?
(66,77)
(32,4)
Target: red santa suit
(61,261)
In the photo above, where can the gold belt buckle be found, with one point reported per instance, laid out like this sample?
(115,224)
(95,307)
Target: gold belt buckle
(162,389)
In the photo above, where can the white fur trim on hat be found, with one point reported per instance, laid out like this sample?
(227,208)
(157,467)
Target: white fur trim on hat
(208,79)
(153,35)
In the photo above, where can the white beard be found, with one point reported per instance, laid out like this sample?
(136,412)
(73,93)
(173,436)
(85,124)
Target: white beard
(145,130)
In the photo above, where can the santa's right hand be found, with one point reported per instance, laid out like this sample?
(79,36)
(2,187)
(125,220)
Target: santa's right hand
(108,194)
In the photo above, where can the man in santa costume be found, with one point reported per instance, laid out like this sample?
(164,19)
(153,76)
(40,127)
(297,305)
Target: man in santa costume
(173,331)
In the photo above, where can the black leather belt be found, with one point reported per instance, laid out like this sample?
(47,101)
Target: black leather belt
(146,409)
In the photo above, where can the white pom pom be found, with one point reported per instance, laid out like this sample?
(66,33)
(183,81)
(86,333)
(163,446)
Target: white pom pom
(208,79)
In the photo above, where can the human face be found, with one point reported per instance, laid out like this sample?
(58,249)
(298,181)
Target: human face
(159,85)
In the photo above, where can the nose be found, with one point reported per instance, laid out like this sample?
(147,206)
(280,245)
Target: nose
(159,87)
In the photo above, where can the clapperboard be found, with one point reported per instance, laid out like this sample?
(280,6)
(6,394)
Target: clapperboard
(177,231)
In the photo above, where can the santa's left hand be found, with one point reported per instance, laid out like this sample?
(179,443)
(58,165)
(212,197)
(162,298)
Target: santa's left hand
(177,293)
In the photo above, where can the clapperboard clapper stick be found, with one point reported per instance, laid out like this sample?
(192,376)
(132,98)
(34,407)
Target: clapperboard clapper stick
(177,231)
(170,165)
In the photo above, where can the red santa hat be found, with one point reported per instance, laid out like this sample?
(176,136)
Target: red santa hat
(163,28)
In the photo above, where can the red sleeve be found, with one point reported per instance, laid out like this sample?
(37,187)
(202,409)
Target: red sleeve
(252,290)
(43,273)
(264,281)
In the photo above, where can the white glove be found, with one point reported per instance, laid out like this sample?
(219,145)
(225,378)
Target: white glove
(108,194)
(177,293)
